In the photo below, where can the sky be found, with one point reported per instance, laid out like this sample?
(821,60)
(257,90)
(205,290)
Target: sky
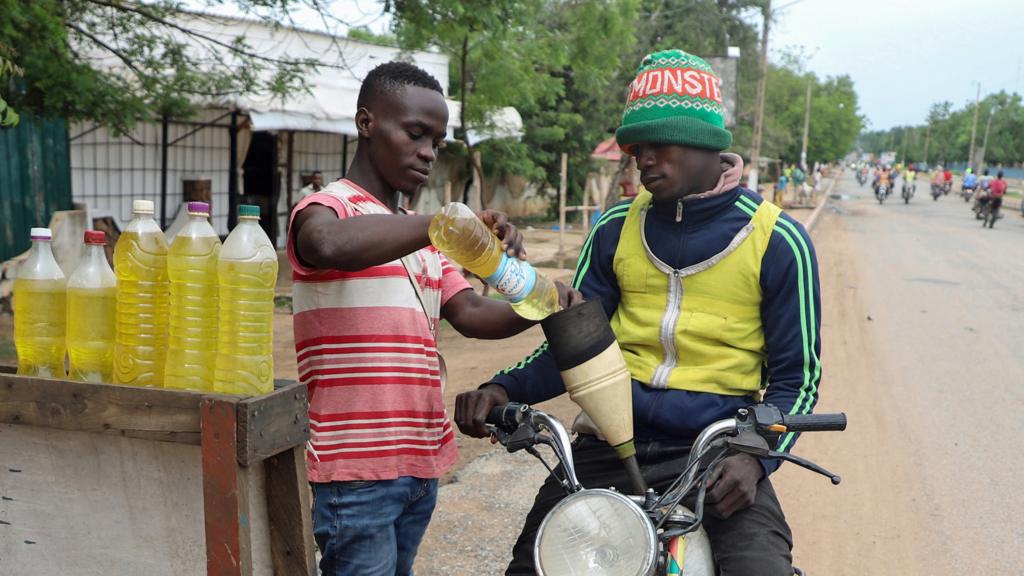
(903,55)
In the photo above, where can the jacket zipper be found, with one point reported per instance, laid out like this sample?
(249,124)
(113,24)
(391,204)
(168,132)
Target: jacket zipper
(668,331)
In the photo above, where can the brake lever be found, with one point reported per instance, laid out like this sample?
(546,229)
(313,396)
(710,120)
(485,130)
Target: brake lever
(806,464)
(524,437)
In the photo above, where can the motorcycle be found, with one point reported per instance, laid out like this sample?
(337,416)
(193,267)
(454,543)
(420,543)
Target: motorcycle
(936,191)
(881,192)
(947,186)
(861,178)
(967,193)
(989,213)
(598,531)
(908,192)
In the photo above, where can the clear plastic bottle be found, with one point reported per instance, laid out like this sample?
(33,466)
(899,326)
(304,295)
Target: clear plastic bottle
(248,275)
(464,238)
(140,264)
(40,310)
(92,310)
(192,268)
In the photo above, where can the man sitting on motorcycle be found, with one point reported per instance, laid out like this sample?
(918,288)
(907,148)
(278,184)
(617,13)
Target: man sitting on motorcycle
(970,182)
(885,178)
(910,180)
(996,191)
(937,180)
(713,296)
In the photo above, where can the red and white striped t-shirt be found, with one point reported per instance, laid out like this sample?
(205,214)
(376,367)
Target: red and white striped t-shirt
(369,360)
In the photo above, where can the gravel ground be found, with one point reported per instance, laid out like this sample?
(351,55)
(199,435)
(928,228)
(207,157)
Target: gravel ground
(479,515)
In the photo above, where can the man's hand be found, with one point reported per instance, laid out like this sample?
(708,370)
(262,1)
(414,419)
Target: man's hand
(471,409)
(511,238)
(732,485)
(567,295)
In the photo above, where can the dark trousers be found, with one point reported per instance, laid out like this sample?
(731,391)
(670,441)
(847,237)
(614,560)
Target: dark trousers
(756,540)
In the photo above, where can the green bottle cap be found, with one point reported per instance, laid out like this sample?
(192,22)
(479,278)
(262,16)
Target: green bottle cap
(248,211)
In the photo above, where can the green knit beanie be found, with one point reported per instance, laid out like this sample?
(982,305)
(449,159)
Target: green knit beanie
(675,99)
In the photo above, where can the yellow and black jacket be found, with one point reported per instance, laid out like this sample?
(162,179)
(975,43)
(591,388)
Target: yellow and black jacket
(714,302)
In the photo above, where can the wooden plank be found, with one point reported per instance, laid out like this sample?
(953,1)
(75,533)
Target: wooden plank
(289,511)
(95,504)
(272,423)
(225,491)
(146,413)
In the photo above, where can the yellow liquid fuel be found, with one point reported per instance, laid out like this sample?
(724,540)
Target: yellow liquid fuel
(192,349)
(91,321)
(465,239)
(245,363)
(40,313)
(140,262)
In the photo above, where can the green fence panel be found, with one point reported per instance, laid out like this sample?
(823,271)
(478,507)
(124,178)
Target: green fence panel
(35,179)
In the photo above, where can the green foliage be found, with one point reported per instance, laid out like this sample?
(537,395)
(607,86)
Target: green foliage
(8,117)
(555,61)
(947,131)
(119,63)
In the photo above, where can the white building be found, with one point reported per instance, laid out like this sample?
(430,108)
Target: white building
(250,150)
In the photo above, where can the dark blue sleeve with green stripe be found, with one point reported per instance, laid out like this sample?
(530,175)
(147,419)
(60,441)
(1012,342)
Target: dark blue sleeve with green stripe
(536,378)
(791,316)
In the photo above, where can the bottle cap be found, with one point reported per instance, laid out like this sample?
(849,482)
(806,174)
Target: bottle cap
(95,237)
(40,234)
(142,206)
(199,208)
(248,211)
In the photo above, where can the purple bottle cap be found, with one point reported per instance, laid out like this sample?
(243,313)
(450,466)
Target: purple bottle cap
(198,208)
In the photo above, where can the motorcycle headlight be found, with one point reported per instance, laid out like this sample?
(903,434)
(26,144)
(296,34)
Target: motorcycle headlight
(596,533)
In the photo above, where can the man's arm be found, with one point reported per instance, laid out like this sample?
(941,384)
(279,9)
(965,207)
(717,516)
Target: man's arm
(536,378)
(791,315)
(476,316)
(326,242)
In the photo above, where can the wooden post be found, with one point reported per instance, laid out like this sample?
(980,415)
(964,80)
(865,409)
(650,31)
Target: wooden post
(562,186)
(225,492)
(289,512)
(476,191)
(585,209)
(447,192)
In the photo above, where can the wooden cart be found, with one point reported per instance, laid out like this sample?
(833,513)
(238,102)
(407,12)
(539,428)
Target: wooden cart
(112,480)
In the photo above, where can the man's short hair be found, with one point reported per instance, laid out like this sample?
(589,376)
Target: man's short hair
(389,77)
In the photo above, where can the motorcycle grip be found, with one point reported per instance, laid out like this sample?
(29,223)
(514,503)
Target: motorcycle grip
(815,422)
(506,416)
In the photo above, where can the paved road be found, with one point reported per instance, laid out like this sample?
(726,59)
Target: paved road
(923,333)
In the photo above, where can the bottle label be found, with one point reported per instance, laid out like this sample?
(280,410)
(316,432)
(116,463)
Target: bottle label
(514,279)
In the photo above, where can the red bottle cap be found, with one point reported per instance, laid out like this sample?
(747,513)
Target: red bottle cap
(95,237)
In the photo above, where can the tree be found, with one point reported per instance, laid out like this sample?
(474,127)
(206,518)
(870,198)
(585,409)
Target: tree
(550,59)
(119,62)
(8,117)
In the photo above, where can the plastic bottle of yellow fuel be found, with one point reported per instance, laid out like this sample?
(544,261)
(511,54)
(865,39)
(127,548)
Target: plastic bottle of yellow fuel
(248,274)
(464,238)
(40,310)
(140,264)
(192,268)
(92,310)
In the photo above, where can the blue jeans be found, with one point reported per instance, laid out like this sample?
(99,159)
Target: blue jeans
(371,528)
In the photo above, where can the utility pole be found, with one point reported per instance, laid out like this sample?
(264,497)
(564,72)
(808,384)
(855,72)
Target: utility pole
(984,140)
(755,146)
(927,139)
(974,129)
(807,125)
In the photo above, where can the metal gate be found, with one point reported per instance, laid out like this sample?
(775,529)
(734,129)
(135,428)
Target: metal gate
(35,179)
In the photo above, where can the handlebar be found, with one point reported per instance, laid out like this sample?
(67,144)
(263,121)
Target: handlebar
(508,416)
(814,422)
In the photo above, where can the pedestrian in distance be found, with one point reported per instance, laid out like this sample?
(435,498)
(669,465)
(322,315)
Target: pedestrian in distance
(369,293)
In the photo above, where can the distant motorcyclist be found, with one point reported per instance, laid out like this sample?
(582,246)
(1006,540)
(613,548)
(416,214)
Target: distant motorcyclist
(947,177)
(970,183)
(910,180)
(883,177)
